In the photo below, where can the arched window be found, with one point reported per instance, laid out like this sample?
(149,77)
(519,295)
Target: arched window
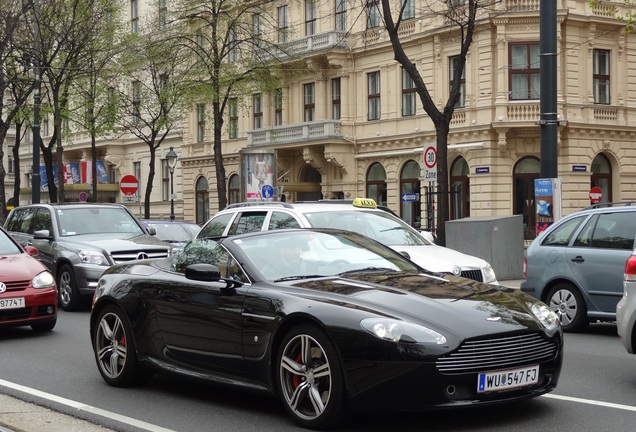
(376,183)
(602,176)
(203,201)
(234,189)
(526,171)
(410,210)
(460,189)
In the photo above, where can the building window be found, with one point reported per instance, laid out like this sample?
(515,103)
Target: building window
(200,123)
(309,101)
(524,71)
(409,95)
(257,107)
(460,189)
(233,112)
(453,63)
(335,99)
(410,211)
(310,17)
(376,184)
(341,15)
(45,126)
(136,101)
(408,9)
(373,85)
(165,180)
(234,189)
(524,174)
(163,13)
(455,3)
(232,55)
(601,76)
(602,176)
(134,16)
(278,107)
(283,25)
(10,160)
(137,171)
(373,13)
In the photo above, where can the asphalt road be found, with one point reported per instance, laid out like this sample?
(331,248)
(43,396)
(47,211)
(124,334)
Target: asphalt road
(56,373)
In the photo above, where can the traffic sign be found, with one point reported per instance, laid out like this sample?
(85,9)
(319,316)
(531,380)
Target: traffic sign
(430,162)
(267,191)
(409,197)
(128,184)
(83,196)
(596,195)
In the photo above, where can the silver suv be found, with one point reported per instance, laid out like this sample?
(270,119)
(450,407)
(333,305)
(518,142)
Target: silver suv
(576,266)
(77,242)
(360,215)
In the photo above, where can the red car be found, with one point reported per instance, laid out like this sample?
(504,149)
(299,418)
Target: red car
(28,294)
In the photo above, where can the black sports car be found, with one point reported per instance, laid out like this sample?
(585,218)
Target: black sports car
(329,320)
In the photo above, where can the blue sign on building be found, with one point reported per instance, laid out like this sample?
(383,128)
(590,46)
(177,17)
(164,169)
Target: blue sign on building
(408,197)
(482,170)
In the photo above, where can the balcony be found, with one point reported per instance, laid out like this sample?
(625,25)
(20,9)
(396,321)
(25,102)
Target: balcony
(297,133)
(308,45)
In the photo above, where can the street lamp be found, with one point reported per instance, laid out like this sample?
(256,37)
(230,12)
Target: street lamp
(171,158)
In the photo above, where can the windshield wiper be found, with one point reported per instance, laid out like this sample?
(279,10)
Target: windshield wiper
(393,229)
(299,277)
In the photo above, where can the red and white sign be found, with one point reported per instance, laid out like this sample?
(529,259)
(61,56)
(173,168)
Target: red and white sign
(596,195)
(128,184)
(430,162)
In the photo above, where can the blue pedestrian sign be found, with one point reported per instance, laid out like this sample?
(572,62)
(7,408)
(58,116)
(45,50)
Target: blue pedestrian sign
(409,197)
(267,191)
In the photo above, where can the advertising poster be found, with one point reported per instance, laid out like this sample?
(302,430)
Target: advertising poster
(547,195)
(87,172)
(72,173)
(258,174)
(102,172)
(44,181)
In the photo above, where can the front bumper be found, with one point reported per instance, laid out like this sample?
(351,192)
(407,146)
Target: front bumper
(626,319)
(41,306)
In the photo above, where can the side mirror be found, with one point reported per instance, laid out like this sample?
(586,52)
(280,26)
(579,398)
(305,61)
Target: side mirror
(42,235)
(31,250)
(428,235)
(152,231)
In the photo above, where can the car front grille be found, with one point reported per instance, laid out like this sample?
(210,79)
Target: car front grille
(501,353)
(473,274)
(17,285)
(133,255)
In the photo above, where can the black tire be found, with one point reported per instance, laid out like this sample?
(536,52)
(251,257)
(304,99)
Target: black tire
(44,327)
(566,300)
(115,350)
(68,294)
(311,384)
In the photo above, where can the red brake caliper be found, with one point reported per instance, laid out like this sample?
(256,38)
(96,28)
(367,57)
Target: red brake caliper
(296,380)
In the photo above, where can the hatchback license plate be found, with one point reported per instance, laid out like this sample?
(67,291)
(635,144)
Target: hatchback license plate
(12,303)
(502,380)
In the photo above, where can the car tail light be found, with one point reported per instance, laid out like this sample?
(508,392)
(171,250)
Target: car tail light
(630,269)
(525,268)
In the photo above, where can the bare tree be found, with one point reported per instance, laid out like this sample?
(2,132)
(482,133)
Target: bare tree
(152,84)
(456,17)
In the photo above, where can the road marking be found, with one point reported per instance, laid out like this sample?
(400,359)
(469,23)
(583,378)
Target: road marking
(87,408)
(592,402)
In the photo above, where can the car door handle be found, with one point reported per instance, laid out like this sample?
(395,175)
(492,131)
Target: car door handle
(578,259)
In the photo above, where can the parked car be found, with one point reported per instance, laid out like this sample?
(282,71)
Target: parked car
(176,232)
(576,266)
(28,295)
(326,335)
(626,308)
(362,216)
(77,242)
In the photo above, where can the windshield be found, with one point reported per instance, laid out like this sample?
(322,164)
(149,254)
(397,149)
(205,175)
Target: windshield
(96,220)
(174,232)
(300,255)
(7,247)
(380,226)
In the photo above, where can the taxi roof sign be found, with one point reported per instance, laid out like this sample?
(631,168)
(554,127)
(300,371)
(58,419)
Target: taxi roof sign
(365,203)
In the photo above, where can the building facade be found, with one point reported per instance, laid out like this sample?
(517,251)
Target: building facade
(352,125)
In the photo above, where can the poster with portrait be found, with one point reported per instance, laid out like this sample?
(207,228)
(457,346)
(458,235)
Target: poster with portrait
(72,173)
(87,172)
(258,171)
(547,196)
(102,172)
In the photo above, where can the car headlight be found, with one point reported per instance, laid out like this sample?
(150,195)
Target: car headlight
(93,257)
(43,280)
(545,315)
(489,274)
(400,331)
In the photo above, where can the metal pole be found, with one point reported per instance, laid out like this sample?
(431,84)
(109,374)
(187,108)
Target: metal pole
(172,194)
(549,121)
(35,178)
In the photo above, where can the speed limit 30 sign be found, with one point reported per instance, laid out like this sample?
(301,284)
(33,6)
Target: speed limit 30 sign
(430,163)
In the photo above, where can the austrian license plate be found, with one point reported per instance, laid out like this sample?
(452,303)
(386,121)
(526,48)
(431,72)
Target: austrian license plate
(502,380)
(12,303)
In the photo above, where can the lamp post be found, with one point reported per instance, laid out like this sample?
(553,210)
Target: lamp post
(171,159)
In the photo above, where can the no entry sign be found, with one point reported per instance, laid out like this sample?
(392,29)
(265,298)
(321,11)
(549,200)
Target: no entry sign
(128,184)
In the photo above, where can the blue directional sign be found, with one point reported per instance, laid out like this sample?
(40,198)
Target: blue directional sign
(267,191)
(407,197)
